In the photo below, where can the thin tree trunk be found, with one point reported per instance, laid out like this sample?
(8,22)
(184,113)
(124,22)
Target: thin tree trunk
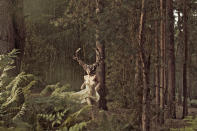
(162,69)
(100,73)
(171,59)
(145,73)
(189,75)
(165,58)
(185,108)
(180,87)
(157,78)
(189,72)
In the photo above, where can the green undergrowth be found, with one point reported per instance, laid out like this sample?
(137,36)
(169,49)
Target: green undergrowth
(192,124)
(27,104)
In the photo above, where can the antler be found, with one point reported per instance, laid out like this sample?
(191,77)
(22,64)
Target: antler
(84,65)
(100,58)
(75,57)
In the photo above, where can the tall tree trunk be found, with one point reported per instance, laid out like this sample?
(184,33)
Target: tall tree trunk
(189,76)
(185,108)
(100,73)
(157,78)
(171,59)
(165,57)
(145,73)
(19,26)
(180,86)
(162,68)
(7,32)
(12,28)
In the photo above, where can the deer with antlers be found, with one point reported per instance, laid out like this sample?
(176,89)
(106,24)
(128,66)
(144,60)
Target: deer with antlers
(91,84)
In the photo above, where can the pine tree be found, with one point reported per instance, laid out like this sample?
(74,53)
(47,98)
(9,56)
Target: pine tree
(185,88)
(101,69)
(145,71)
(162,69)
(171,58)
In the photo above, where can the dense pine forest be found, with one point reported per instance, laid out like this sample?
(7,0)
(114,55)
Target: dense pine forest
(98,65)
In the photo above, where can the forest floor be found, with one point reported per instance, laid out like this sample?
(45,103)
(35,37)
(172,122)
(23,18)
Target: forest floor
(179,124)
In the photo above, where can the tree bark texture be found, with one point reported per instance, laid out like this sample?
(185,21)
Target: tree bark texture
(171,59)
(12,31)
(145,72)
(157,67)
(185,90)
(7,32)
(19,26)
(162,68)
(100,73)
(180,86)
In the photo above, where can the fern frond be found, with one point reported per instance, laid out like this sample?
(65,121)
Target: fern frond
(8,59)
(21,112)
(15,98)
(73,117)
(78,126)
